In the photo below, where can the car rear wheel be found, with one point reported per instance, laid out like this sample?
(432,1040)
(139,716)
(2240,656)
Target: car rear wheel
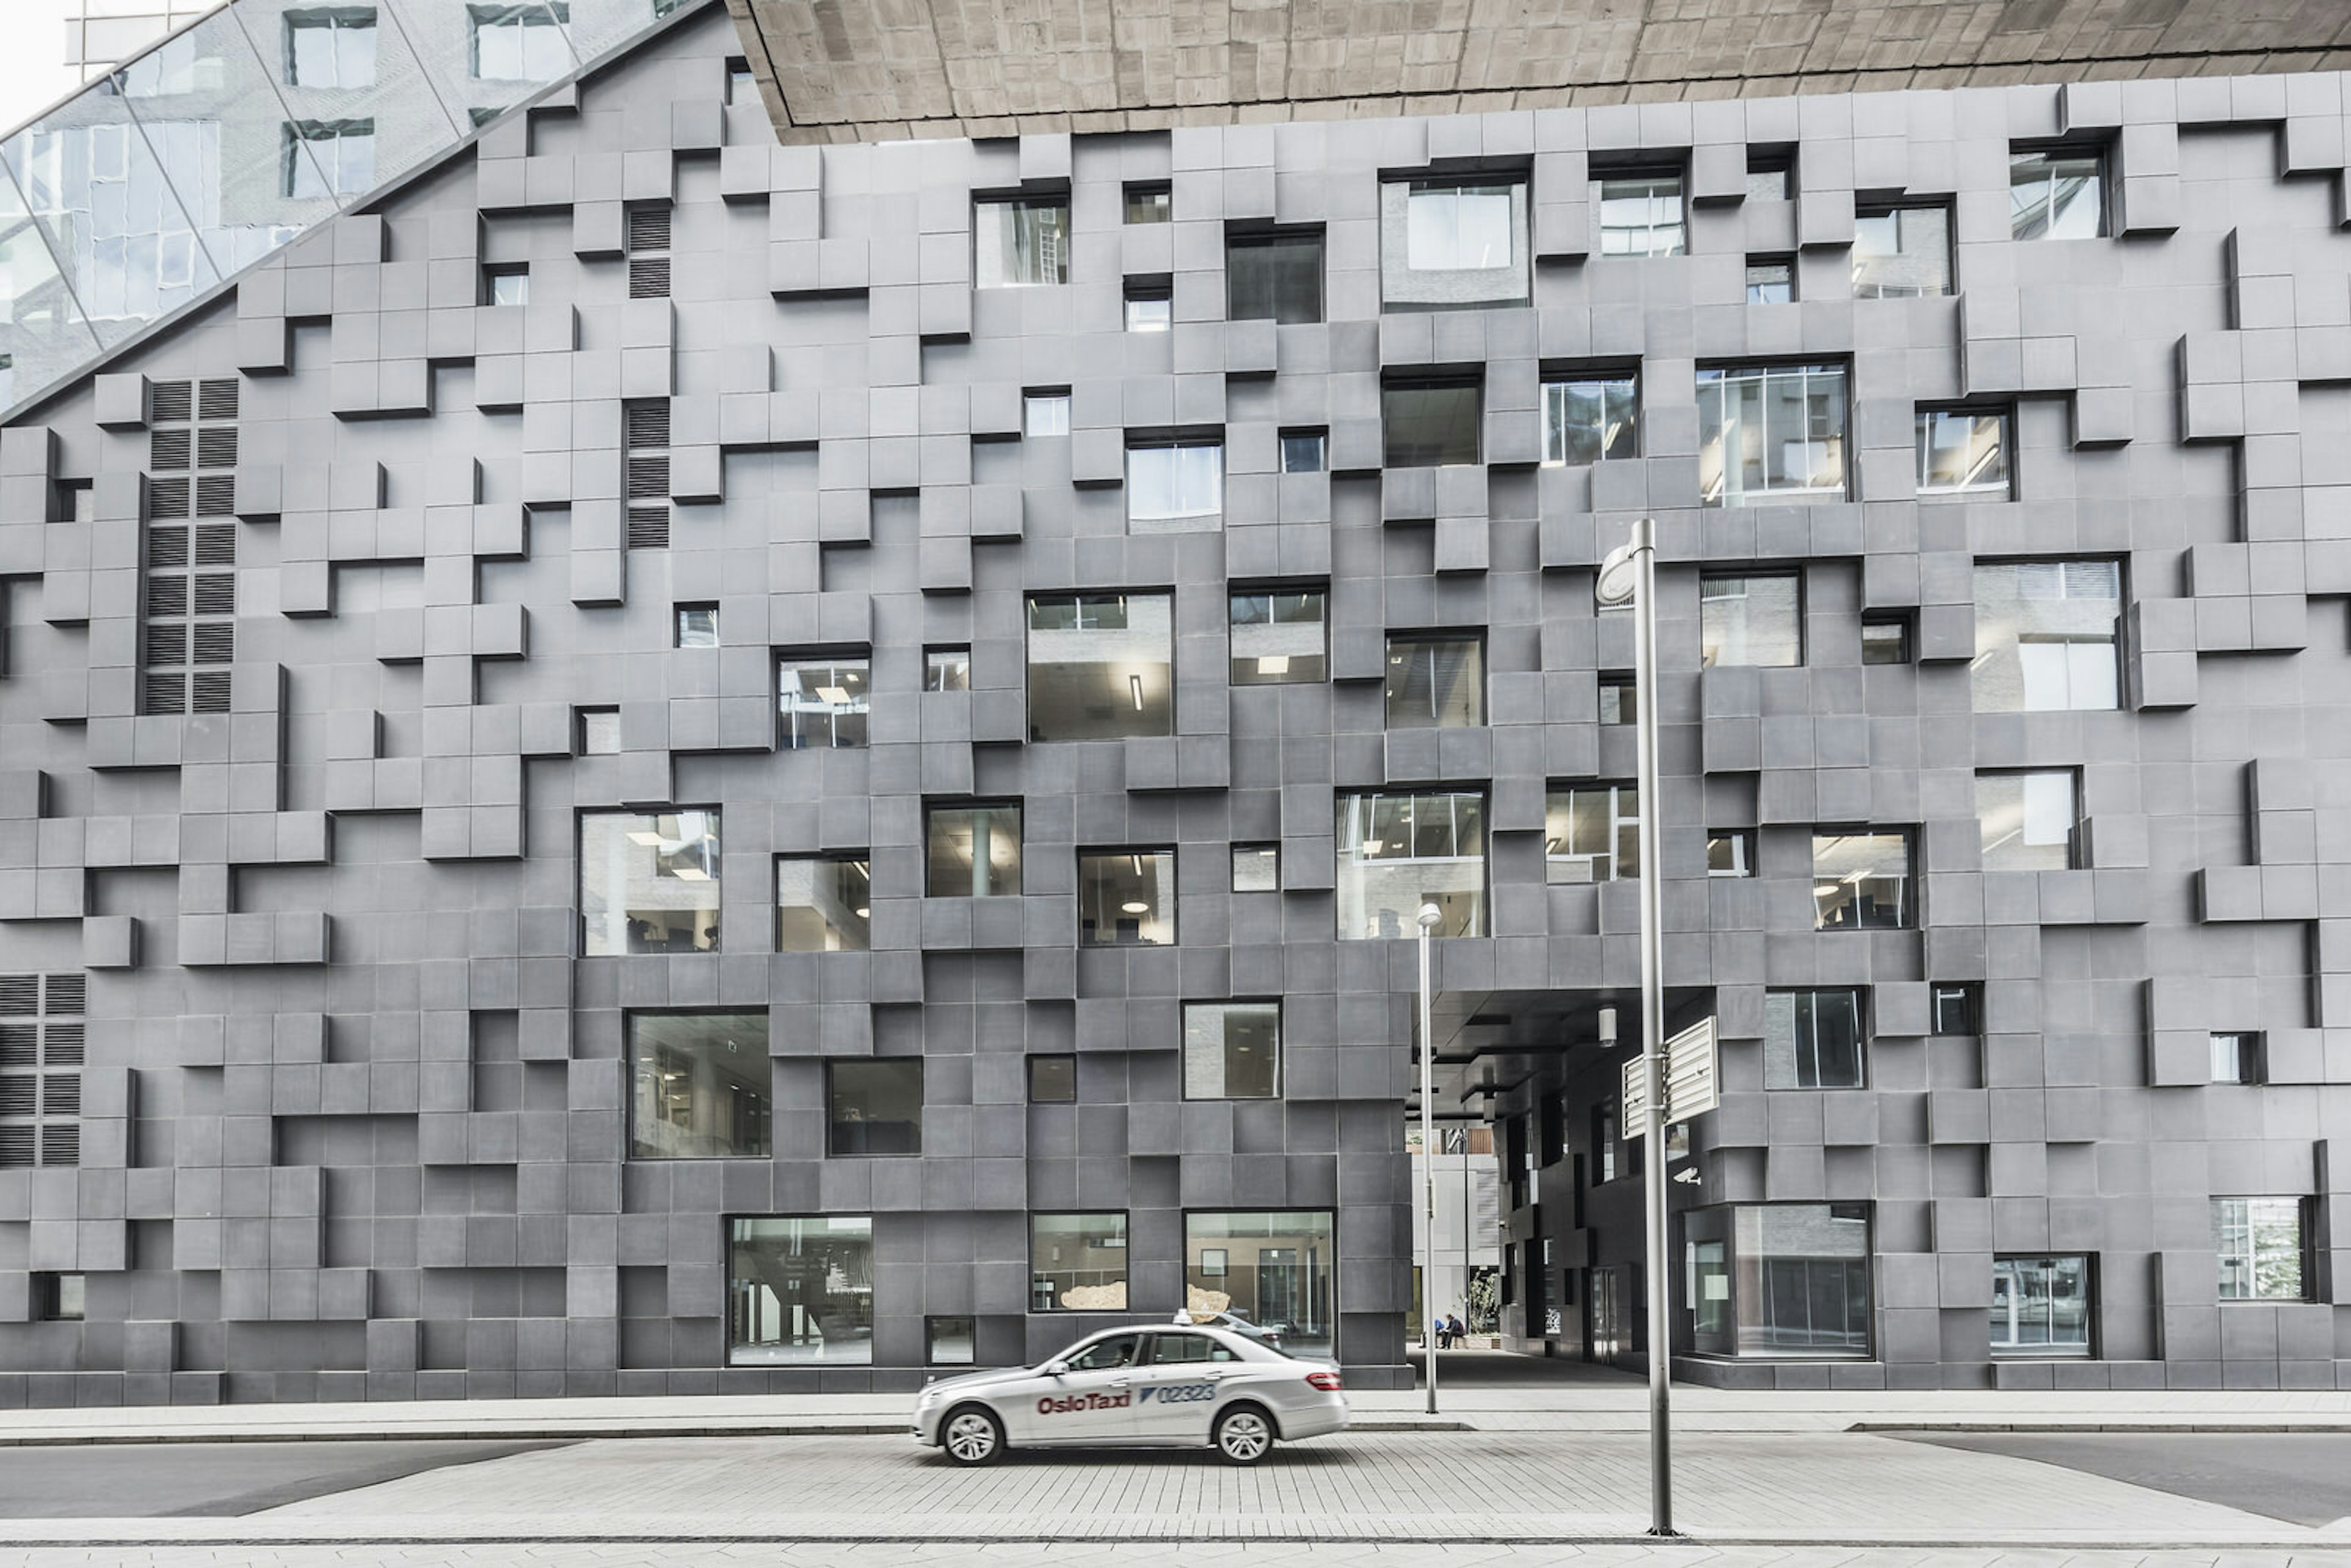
(972,1436)
(1244,1435)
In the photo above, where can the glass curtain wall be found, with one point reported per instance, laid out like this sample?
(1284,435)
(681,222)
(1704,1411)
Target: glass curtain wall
(800,1289)
(1274,1269)
(1779,1280)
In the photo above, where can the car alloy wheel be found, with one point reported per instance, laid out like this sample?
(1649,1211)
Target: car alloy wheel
(973,1437)
(1243,1435)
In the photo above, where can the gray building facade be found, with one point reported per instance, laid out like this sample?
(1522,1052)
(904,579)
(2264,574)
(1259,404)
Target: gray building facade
(664,763)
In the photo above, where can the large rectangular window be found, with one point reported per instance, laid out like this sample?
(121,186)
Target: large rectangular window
(1450,242)
(1276,276)
(1963,451)
(2029,820)
(1399,852)
(1901,252)
(1812,1040)
(823,903)
(973,851)
(1126,898)
(1592,833)
(2046,635)
(1861,880)
(2263,1248)
(1430,425)
(1436,683)
(1020,243)
(1279,636)
(1641,213)
(330,48)
(1755,619)
(702,1086)
(1100,666)
(1588,419)
(521,42)
(2041,1305)
(1232,1050)
(799,1289)
(1770,434)
(822,702)
(873,1107)
(1175,487)
(1274,1269)
(649,882)
(1077,1262)
(2058,193)
(1788,1280)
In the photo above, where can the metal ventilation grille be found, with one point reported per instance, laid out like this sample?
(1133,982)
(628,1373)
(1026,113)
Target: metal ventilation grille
(649,477)
(190,614)
(647,420)
(215,494)
(167,497)
(167,449)
(649,277)
(216,448)
(217,400)
(216,545)
(40,1098)
(648,251)
(170,402)
(649,226)
(167,546)
(649,527)
(212,692)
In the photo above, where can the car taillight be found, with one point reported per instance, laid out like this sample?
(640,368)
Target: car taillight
(1328,1382)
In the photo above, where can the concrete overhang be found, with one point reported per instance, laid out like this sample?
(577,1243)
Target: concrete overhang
(853,70)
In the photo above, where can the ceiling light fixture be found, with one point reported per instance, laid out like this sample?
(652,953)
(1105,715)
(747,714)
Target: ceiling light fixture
(835,696)
(1135,906)
(691,873)
(1273,663)
(1134,685)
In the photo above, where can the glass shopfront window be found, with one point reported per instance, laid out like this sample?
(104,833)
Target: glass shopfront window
(701,1086)
(1778,1281)
(1275,1268)
(649,882)
(2261,1246)
(800,1289)
(1077,1262)
(2041,1305)
(1398,851)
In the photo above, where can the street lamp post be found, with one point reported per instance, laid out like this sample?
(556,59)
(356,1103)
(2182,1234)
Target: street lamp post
(1429,916)
(1629,575)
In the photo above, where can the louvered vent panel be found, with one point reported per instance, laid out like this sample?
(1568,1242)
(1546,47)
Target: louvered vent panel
(649,226)
(216,545)
(167,497)
(216,448)
(648,527)
(17,1147)
(167,547)
(216,593)
(167,596)
(648,425)
(20,1045)
(211,691)
(215,642)
(20,996)
(217,400)
(167,643)
(61,1094)
(167,449)
(163,693)
(16,1094)
(170,402)
(648,479)
(61,1146)
(215,494)
(67,994)
(649,277)
(62,1045)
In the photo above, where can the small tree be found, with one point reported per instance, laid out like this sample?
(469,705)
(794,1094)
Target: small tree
(1485,1301)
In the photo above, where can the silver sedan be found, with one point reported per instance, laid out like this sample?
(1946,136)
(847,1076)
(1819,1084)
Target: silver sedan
(1184,1385)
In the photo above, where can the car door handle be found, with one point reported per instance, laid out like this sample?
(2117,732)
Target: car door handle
(1118,1381)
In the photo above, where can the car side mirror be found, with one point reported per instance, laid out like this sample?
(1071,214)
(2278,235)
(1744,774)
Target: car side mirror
(1057,1369)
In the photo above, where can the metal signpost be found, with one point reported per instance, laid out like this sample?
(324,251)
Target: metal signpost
(1429,916)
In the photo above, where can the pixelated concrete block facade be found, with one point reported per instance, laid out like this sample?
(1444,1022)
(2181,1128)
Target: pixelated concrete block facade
(353,1112)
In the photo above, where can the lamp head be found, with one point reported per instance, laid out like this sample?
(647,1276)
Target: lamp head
(1618,577)
(1430,916)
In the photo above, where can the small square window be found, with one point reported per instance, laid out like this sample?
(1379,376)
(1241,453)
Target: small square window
(1045,412)
(824,904)
(1730,851)
(1770,280)
(1052,1080)
(1886,640)
(1955,1007)
(506,284)
(600,731)
(1305,450)
(1148,205)
(949,1341)
(64,1297)
(1150,307)
(2238,1058)
(697,625)
(875,1107)
(2057,194)
(1020,243)
(1619,699)
(1770,177)
(1430,425)
(1279,636)
(1257,868)
(1861,880)
(1963,451)
(1640,213)
(946,669)
(742,86)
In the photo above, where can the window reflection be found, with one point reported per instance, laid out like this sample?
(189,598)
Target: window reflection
(1274,1269)
(1755,619)
(1781,1280)
(1232,1050)
(974,850)
(1591,833)
(2046,635)
(1077,1262)
(649,882)
(822,702)
(1436,683)
(1861,880)
(823,904)
(1126,898)
(1901,252)
(701,1085)
(1100,666)
(1277,637)
(800,1289)
(1770,433)
(1397,852)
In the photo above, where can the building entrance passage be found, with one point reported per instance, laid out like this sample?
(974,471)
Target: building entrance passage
(1610,1319)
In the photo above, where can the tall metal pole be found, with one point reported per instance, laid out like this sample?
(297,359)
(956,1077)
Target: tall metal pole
(1429,916)
(1653,1028)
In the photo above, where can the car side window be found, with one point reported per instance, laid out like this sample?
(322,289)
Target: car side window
(1169,1349)
(1104,1356)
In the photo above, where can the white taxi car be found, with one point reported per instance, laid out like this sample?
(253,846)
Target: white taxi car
(1184,1385)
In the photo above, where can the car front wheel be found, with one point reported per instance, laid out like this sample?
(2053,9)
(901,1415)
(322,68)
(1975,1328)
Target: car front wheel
(1244,1435)
(972,1436)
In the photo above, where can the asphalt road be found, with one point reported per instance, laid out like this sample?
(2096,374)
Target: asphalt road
(211,1480)
(2303,1477)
